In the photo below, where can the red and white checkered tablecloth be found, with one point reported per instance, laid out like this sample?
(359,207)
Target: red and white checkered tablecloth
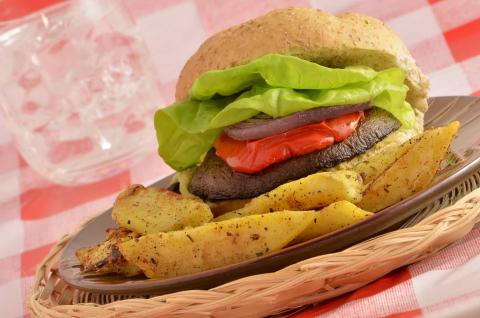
(443,36)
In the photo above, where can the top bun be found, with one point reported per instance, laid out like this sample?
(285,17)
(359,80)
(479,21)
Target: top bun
(333,41)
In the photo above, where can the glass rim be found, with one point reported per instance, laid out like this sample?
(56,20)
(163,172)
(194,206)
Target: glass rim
(44,11)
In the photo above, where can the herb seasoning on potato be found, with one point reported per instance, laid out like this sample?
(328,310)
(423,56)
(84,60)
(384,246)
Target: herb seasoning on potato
(285,128)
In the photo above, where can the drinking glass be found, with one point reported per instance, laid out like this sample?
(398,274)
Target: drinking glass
(77,90)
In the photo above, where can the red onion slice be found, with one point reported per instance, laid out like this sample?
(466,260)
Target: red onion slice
(262,126)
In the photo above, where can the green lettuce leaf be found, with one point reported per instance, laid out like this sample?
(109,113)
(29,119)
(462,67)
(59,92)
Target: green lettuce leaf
(277,71)
(275,85)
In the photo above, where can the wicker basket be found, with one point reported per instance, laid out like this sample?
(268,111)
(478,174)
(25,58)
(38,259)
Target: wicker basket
(310,281)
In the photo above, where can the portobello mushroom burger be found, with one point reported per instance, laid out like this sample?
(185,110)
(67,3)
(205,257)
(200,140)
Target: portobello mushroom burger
(286,95)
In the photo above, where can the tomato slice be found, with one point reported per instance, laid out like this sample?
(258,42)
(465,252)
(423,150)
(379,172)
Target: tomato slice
(253,156)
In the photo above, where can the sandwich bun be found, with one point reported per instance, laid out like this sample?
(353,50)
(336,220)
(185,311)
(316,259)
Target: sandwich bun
(330,40)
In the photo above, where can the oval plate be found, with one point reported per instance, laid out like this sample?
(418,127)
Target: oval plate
(442,111)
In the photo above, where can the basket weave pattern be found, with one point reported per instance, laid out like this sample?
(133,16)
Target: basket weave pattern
(313,280)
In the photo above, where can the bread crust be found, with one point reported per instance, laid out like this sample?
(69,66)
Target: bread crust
(311,34)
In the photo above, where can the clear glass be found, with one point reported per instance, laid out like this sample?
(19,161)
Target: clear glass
(77,90)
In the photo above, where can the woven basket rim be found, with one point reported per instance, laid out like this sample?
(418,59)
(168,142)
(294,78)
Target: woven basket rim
(311,280)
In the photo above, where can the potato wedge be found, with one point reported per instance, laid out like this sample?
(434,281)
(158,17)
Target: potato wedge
(371,164)
(215,244)
(412,172)
(373,167)
(312,192)
(106,258)
(152,210)
(331,218)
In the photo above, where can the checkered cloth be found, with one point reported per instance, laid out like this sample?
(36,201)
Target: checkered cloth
(443,36)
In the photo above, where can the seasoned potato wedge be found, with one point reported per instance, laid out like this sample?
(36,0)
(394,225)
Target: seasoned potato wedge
(216,244)
(106,258)
(372,168)
(331,218)
(151,210)
(373,163)
(312,192)
(412,172)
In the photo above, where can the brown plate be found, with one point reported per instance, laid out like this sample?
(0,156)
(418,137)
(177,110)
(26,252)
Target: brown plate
(442,111)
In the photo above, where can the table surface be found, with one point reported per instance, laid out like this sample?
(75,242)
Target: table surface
(444,38)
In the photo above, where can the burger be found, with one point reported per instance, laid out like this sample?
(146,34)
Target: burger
(286,95)
(264,112)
